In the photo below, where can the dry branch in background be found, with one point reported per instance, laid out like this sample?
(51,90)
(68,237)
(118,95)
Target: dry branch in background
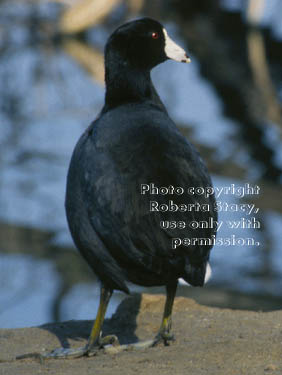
(258,62)
(90,58)
(85,13)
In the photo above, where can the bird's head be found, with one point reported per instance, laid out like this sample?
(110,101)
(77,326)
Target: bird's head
(143,43)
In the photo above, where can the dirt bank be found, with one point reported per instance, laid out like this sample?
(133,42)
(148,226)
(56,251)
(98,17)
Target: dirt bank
(208,341)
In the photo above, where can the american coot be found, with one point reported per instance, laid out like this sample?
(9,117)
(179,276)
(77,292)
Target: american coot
(132,147)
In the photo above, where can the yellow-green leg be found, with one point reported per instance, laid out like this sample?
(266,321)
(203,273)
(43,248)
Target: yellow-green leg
(95,340)
(110,343)
(164,331)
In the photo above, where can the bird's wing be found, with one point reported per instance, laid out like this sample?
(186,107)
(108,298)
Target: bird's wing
(118,211)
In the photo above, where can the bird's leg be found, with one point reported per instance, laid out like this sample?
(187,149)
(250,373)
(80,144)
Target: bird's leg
(95,338)
(164,331)
(95,341)
(110,343)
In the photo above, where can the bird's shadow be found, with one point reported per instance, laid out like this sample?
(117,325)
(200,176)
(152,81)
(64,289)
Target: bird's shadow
(122,324)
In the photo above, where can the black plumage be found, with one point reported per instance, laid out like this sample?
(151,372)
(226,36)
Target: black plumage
(132,142)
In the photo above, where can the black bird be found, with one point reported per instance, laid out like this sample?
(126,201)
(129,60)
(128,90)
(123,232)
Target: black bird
(134,143)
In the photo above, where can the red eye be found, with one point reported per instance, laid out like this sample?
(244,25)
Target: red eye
(155,35)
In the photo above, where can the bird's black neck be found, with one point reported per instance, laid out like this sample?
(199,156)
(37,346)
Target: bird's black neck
(127,84)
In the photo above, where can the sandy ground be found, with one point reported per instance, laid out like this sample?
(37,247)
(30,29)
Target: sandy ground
(208,341)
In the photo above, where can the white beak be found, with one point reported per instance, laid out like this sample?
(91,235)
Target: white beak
(174,51)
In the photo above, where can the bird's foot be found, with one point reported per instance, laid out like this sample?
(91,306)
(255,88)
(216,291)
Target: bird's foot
(108,340)
(162,336)
(103,342)
(165,337)
(87,350)
(128,347)
(56,353)
(109,344)
(66,352)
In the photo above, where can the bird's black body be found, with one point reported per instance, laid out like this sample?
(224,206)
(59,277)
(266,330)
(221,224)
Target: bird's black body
(134,142)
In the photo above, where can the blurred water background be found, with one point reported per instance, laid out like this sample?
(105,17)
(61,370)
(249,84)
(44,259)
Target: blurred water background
(227,102)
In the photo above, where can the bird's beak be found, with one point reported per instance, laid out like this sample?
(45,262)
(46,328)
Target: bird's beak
(174,51)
